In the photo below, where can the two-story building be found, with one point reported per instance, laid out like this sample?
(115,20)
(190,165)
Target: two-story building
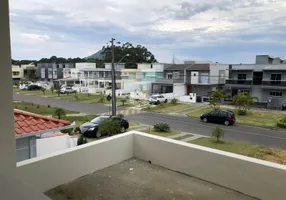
(17,74)
(51,71)
(266,80)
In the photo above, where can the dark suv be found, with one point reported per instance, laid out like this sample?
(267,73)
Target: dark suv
(225,117)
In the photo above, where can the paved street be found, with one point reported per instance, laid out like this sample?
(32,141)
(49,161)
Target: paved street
(68,105)
(248,134)
(243,133)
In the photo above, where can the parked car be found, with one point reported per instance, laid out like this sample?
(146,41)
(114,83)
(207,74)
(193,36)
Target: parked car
(32,87)
(67,90)
(225,117)
(91,128)
(157,99)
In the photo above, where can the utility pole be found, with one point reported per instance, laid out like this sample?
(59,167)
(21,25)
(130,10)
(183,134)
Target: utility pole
(113,79)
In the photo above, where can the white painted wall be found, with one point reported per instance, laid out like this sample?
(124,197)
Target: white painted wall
(192,98)
(47,172)
(50,145)
(254,177)
(179,89)
(195,77)
(85,65)
(144,66)
(214,72)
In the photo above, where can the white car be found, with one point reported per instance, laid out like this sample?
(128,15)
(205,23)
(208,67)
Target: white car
(67,90)
(157,99)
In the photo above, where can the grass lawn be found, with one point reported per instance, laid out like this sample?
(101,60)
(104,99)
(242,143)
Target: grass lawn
(168,107)
(163,134)
(183,137)
(255,151)
(254,118)
(37,109)
(131,124)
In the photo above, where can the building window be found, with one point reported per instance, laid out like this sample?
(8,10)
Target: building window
(275,79)
(16,73)
(241,78)
(169,76)
(275,94)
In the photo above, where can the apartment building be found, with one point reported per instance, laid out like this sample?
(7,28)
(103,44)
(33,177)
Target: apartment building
(17,74)
(266,80)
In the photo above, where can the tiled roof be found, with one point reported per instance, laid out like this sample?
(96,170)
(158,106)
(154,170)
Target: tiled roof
(26,122)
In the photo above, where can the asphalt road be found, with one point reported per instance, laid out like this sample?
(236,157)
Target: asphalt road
(68,105)
(249,134)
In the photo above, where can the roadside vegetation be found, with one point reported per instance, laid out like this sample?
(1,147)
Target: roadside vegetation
(167,107)
(38,109)
(255,151)
(161,129)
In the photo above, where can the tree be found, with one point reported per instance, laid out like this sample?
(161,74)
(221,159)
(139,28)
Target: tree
(52,89)
(59,112)
(138,54)
(123,101)
(58,92)
(215,99)
(81,140)
(43,90)
(218,133)
(109,127)
(243,102)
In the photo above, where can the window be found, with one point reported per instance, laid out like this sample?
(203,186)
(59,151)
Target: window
(204,78)
(241,78)
(16,73)
(275,79)
(275,94)
(169,76)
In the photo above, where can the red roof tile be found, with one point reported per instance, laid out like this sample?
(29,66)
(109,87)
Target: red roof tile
(26,122)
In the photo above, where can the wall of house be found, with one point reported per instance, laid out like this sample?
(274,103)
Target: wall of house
(257,178)
(26,148)
(46,146)
(85,65)
(267,74)
(216,72)
(249,74)
(144,66)
(49,171)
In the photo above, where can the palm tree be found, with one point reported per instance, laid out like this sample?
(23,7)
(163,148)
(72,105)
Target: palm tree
(218,133)
(59,112)
(244,101)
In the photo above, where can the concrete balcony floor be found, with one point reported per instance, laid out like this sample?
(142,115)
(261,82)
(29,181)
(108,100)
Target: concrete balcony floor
(136,179)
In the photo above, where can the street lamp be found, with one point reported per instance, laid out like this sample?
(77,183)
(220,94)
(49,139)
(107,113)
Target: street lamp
(113,77)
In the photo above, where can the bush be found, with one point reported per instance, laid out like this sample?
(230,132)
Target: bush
(162,127)
(81,140)
(123,101)
(43,90)
(120,115)
(109,127)
(241,112)
(218,133)
(38,106)
(282,123)
(174,101)
(76,129)
(49,106)
(101,98)
(52,89)
(68,131)
(59,112)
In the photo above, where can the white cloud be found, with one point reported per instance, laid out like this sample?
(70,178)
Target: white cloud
(175,24)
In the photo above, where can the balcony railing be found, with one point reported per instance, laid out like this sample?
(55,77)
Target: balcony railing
(239,82)
(276,83)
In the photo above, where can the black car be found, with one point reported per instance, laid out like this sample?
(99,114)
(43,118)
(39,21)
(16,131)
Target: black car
(91,128)
(225,117)
(33,87)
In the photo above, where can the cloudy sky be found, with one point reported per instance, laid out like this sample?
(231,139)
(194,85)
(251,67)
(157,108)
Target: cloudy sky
(227,31)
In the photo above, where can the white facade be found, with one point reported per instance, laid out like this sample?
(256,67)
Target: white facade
(218,73)
(85,65)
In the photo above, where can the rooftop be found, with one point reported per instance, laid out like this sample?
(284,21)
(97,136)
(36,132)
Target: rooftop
(137,179)
(26,123)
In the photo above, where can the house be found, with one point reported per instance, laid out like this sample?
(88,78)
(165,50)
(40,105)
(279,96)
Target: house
(29,71)
(29,127)
(266,80)
(17,74)
(51,71)
(191,77)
